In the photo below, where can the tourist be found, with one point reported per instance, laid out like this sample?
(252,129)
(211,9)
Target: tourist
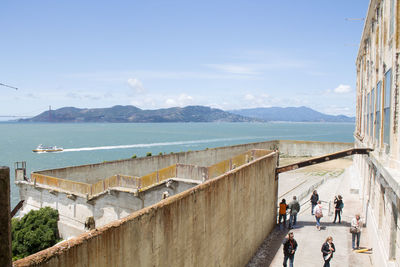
(327,249)
(282,212)
(338,207)
(355,230)
(318,214)
(314,200)
(289,248)
(294,207)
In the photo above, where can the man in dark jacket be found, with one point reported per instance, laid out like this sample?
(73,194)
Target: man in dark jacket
(289,248)
(314,200)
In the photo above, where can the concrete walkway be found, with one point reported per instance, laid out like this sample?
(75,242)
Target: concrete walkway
(310,239)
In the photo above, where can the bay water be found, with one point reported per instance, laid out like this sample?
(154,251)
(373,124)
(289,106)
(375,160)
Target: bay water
(86,143)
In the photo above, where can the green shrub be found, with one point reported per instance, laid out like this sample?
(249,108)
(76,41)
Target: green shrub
(148,154)
(34,232)
(160,153)
(134,156)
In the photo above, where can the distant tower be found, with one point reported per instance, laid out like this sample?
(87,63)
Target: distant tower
(49,113)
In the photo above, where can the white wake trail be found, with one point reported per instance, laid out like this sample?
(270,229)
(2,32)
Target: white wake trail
(156,144)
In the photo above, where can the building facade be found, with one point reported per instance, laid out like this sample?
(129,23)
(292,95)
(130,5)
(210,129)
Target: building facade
(377,127)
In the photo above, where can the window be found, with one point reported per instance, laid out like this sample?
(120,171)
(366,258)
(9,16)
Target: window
(378,114)
(391,28)
(387,107)
(371,114)
(368,108)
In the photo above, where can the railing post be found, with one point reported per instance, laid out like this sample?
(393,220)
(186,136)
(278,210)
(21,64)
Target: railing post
(5,219)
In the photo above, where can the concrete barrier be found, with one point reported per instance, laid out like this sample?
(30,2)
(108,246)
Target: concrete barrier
(218,223)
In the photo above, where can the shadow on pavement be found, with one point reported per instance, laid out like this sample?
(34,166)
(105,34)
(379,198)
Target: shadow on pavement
(266,252)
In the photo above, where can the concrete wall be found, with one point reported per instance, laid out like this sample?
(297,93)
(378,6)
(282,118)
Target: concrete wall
(193,172)
(311,149)
(142,166)
(107,207)
(218,223)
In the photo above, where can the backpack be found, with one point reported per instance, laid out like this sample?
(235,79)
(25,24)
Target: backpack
(341,206)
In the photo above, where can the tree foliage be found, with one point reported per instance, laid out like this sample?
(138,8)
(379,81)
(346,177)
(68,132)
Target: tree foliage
(34,232)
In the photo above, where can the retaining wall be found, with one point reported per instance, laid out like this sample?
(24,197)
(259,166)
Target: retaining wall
(141,166)
(218,223)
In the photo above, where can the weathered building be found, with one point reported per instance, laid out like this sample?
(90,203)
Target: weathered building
(377,127)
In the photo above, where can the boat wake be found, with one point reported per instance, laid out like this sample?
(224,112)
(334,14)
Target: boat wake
(159,144)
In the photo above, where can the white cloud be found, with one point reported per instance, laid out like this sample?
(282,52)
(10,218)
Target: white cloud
(170,102)
(342,89)
(181,101)
(249,97)
(236,68)
(262,100)
(136,85)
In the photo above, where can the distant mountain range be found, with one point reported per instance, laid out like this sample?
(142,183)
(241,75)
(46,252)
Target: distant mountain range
(134,114)
(295,114)
(186,114)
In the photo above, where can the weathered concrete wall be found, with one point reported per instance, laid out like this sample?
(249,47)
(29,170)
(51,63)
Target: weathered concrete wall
(193,172)
(311,149)
(142,166)
(380,193)
(107,207)
(218,223)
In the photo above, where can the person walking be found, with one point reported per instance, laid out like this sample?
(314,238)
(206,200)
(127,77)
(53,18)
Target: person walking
(314,201)
(327,249)
(355,230)
(282,212)
(318,214)
(338,207)
(289,248)
(294,207)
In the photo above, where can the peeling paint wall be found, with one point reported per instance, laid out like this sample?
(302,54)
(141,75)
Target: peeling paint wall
(218,223)
(378,128)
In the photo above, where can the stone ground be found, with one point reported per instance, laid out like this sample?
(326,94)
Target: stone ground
(336,180)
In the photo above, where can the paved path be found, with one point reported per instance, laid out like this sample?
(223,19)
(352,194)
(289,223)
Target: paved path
(310,239)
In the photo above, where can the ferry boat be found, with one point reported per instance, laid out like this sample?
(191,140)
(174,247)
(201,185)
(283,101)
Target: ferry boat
(41,148)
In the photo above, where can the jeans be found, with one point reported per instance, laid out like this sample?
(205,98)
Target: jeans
(327,263)
(337,213)
(318,219)
(312,208)
(292,220)
(291,259)
(353,239)
(282,217)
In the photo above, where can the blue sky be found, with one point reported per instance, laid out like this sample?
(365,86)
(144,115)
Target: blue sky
(156,54)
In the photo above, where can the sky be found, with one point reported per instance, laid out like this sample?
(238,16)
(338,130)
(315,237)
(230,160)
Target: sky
(157,54)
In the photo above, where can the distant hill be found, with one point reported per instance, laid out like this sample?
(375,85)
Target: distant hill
(134,114)
(294,114)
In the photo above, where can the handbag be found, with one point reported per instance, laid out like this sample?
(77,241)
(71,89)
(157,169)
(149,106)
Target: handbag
(353,230)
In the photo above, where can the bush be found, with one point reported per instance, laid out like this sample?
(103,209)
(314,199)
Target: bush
(134,156)
(148,154)
(34,232)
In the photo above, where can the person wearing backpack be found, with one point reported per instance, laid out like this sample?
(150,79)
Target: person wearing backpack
(338,207)
(318,214)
